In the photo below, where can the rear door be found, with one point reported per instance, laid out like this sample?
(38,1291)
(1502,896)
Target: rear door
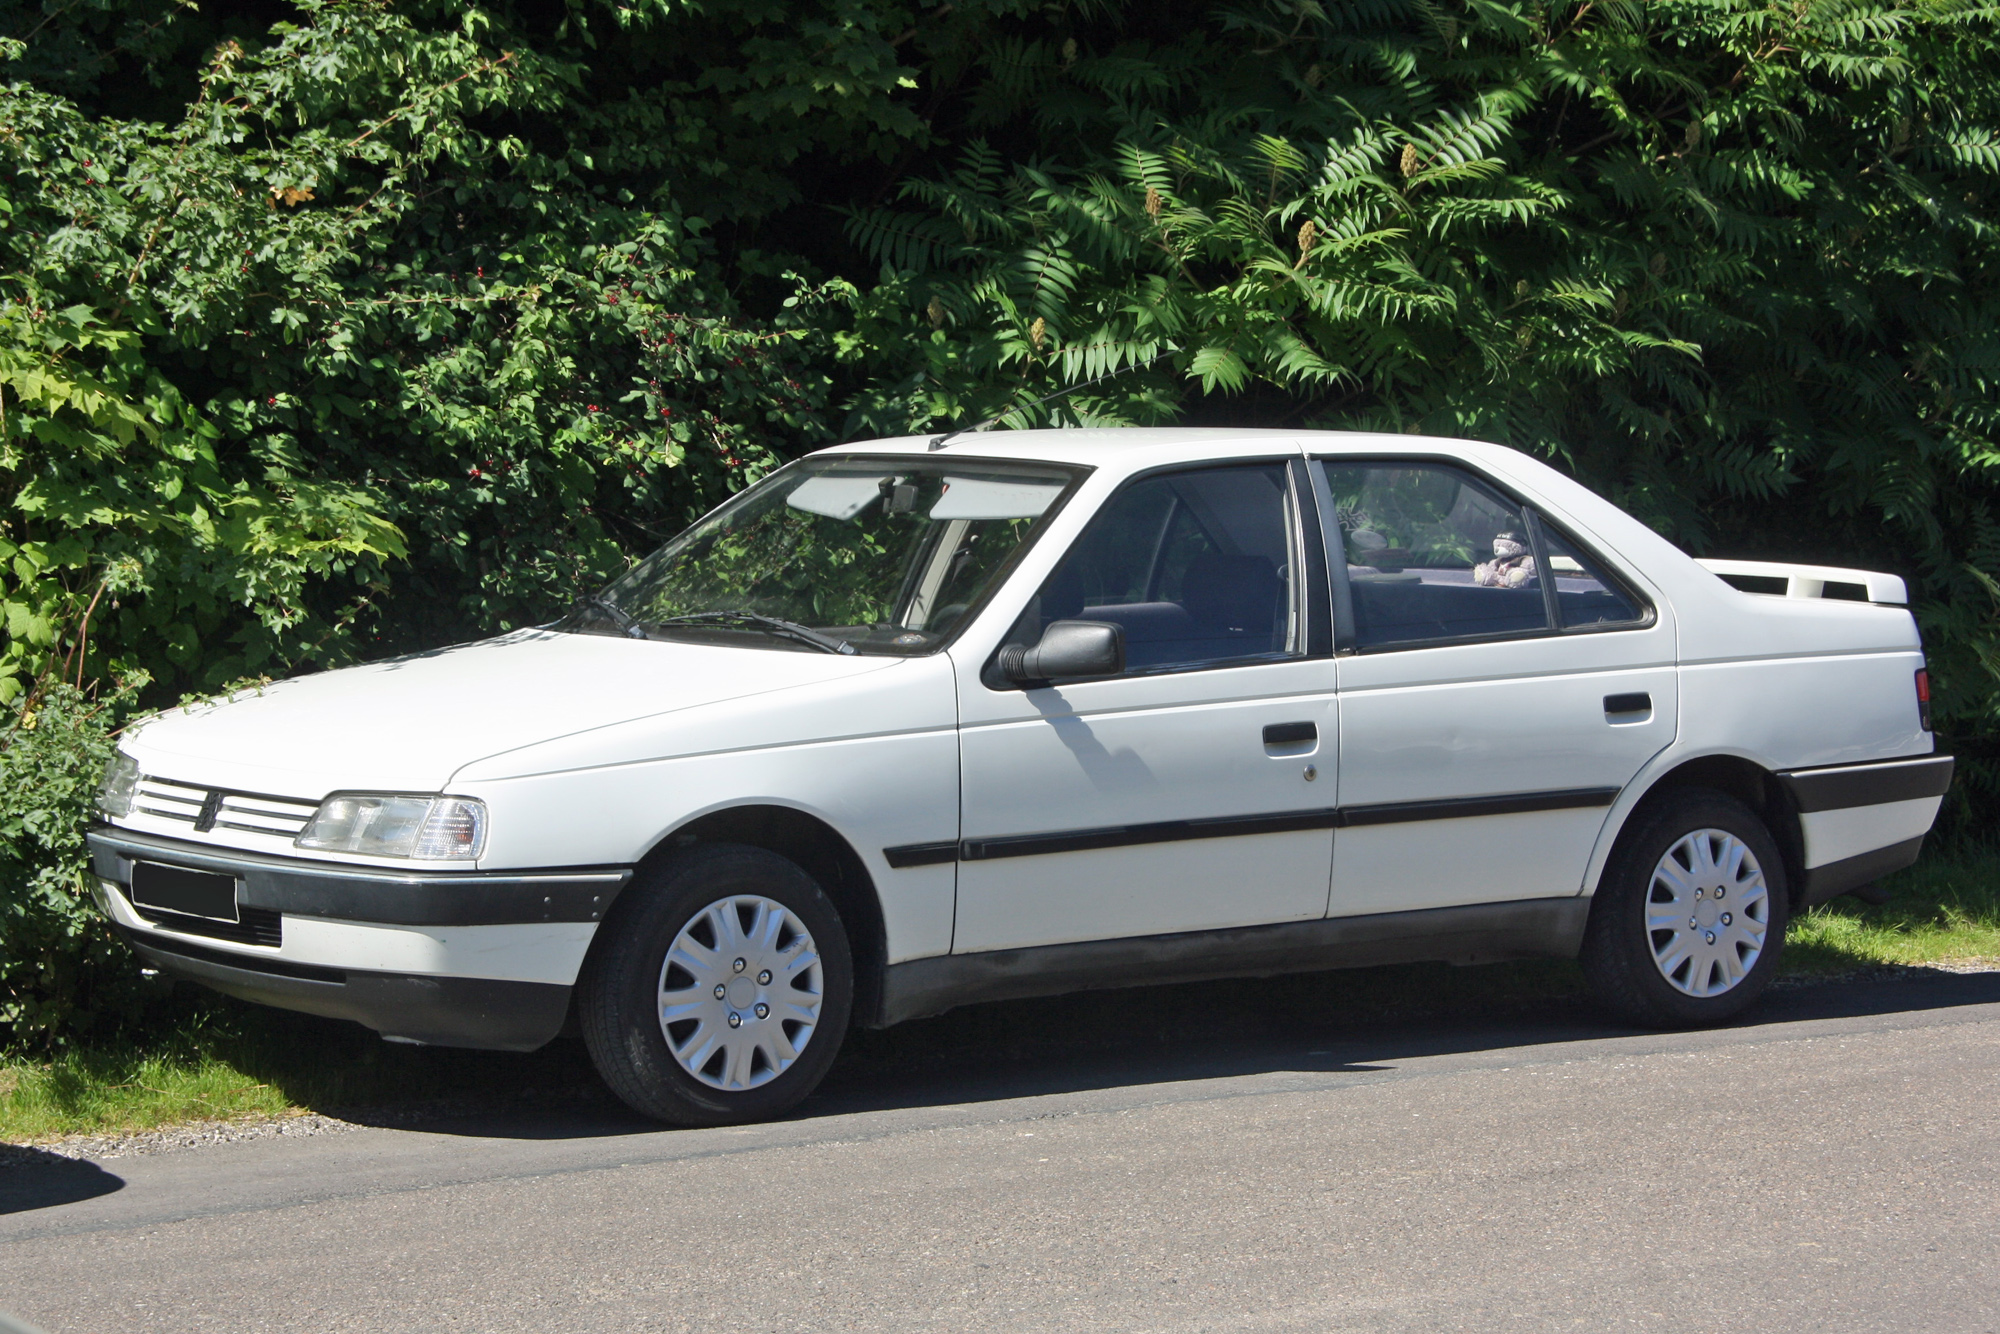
(1501,684)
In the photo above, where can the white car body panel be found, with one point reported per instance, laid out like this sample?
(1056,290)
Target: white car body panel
(591,751)
(1476,720)
(1832,836)
(881,765)
(409,724)
(1179,746)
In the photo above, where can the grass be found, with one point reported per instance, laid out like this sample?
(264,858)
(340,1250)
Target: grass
(1942,909)
(234,1060)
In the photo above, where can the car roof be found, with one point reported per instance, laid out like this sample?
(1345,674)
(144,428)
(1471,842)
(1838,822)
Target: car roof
(1132,448)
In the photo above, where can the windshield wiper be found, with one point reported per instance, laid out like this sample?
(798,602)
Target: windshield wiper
(627,623)
(755,620)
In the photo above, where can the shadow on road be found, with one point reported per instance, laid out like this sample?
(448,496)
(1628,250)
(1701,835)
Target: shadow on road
(1220,1030)
(1348,1022)
(34,1179)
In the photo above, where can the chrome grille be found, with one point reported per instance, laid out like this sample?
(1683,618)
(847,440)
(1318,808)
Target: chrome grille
(208,808)
(172,801)
(264,815)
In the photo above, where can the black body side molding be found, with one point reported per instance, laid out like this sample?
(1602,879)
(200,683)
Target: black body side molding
(1237,826)
(921,854)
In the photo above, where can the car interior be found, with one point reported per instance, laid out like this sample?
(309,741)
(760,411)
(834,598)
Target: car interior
(1195,567)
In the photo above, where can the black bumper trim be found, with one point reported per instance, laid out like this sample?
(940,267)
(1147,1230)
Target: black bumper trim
(374,894)
(441,1011)
(252,963)
(1839,787)
(1836,878)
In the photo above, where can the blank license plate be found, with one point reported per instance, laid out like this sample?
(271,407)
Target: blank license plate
(177,889)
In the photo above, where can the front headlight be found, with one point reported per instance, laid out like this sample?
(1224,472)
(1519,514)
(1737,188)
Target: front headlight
(121,782)
(388,824)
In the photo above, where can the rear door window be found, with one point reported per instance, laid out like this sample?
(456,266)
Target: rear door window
(1586,594)
(1433,554)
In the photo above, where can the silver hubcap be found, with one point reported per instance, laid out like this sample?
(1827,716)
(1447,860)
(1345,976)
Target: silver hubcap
(740,992)
(1707,912)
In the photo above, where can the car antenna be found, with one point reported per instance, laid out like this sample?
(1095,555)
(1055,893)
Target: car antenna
(938,442)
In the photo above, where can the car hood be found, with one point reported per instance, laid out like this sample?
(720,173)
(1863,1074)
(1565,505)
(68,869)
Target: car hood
(408,724)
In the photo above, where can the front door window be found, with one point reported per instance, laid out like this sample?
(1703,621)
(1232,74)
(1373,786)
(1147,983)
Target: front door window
(1196,566)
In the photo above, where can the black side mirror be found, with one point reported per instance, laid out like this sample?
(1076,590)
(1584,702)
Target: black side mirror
(1068,649)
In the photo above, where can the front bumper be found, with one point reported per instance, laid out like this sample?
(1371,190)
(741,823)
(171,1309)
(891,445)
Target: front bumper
(454,958)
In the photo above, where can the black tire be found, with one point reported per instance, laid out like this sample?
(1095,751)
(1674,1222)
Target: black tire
(1619,951)
(619,993)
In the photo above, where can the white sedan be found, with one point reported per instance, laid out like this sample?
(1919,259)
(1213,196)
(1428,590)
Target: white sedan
(904,727)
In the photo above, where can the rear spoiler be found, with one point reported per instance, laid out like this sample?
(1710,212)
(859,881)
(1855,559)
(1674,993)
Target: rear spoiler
(1810,581)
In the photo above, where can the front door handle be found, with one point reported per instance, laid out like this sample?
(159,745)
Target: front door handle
(1290,734)
(1626,705)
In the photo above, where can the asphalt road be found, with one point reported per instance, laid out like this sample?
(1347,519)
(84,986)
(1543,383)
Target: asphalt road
(1831,1165)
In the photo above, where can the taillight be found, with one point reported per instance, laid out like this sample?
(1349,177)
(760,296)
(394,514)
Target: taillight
(1924,698)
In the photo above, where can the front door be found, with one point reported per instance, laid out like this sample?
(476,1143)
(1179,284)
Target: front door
(1196,791)
(1505,685)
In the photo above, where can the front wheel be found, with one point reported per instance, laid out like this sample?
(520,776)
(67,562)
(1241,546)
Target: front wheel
(1689,920)
(721,990)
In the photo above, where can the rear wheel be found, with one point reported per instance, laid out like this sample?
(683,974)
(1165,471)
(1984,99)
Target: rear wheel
(721,990)
(1690,918)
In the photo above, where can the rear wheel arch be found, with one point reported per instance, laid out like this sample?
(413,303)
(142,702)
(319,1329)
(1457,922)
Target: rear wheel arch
(1748,782)
(825,855)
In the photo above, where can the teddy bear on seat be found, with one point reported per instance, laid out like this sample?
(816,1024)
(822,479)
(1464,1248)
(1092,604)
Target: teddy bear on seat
(1511,566)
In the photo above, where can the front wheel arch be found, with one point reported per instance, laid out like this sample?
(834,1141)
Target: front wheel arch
(818,849)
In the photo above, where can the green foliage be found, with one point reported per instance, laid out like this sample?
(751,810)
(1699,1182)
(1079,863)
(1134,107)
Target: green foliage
(63,974)
(1731,263)
(335,328)
(119,496)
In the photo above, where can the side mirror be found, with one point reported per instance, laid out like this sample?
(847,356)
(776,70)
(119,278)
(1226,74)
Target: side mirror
(1068,649)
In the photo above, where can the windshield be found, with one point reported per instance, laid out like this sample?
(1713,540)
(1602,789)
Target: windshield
(849,555)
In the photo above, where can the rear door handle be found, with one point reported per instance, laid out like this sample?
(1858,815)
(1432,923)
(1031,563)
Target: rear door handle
(1290,734)
(1637,702)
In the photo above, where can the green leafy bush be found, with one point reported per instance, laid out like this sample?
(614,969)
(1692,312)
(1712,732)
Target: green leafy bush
(64,975)
(1731,263)
(333,328)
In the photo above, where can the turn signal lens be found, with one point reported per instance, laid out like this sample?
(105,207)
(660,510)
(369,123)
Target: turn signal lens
(387,824)
(1924,698)
(455,828)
